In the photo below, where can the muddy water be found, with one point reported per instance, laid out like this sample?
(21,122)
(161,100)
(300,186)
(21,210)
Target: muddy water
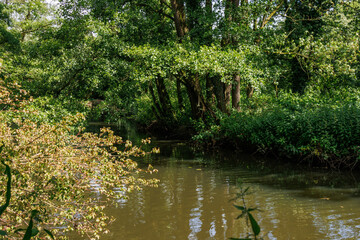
(193,200)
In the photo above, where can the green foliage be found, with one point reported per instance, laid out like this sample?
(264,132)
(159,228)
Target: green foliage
(51,110)
(8,38)
(181,61)
(320,130)
(245,212)
(228,69)
(326,133)
(50,168)
(8,186)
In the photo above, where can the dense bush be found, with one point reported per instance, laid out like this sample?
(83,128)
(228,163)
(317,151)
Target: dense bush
(319,132)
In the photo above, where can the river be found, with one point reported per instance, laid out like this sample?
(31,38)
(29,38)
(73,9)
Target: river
(193,199)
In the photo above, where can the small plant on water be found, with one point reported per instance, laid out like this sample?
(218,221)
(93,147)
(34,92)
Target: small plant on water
(246,212)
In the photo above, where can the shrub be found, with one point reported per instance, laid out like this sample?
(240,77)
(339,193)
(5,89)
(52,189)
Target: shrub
(327,134)
(56,176)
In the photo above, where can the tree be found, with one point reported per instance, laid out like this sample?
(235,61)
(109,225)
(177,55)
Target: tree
(8,39)
(87,54)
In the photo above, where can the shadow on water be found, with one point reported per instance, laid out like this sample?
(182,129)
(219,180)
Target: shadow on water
(251,168)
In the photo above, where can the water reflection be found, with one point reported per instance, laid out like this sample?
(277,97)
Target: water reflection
(194,204)
(192,201)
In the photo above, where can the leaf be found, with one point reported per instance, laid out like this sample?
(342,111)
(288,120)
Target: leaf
(28,233)
(241,215)
(35,215)
(254,225)
(3,233)
(8,188)
(239,207)
(34,232)
(49,233)
(251,209)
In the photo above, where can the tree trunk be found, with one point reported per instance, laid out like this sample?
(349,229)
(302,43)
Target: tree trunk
(208,39)
(210,95)
(164,98)
(156,107)
(219,93)
(179,95)
(227,95)
(194,93)
(194,103)
(236,93)
(178,9)
(199,107)
(249,90)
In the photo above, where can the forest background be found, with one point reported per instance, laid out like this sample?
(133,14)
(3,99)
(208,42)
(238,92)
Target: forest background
(278,77)
(272,76)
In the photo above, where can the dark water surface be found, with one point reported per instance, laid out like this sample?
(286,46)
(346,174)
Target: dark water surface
(192,200)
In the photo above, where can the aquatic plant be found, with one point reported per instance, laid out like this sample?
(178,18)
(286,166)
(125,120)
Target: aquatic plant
(246,212)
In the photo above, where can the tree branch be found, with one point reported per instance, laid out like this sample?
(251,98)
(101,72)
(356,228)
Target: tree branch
(35,29)
(155,10)
(165,3)
(271,14)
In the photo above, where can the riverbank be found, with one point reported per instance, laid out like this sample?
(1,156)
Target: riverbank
(323,132)
(325,136)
